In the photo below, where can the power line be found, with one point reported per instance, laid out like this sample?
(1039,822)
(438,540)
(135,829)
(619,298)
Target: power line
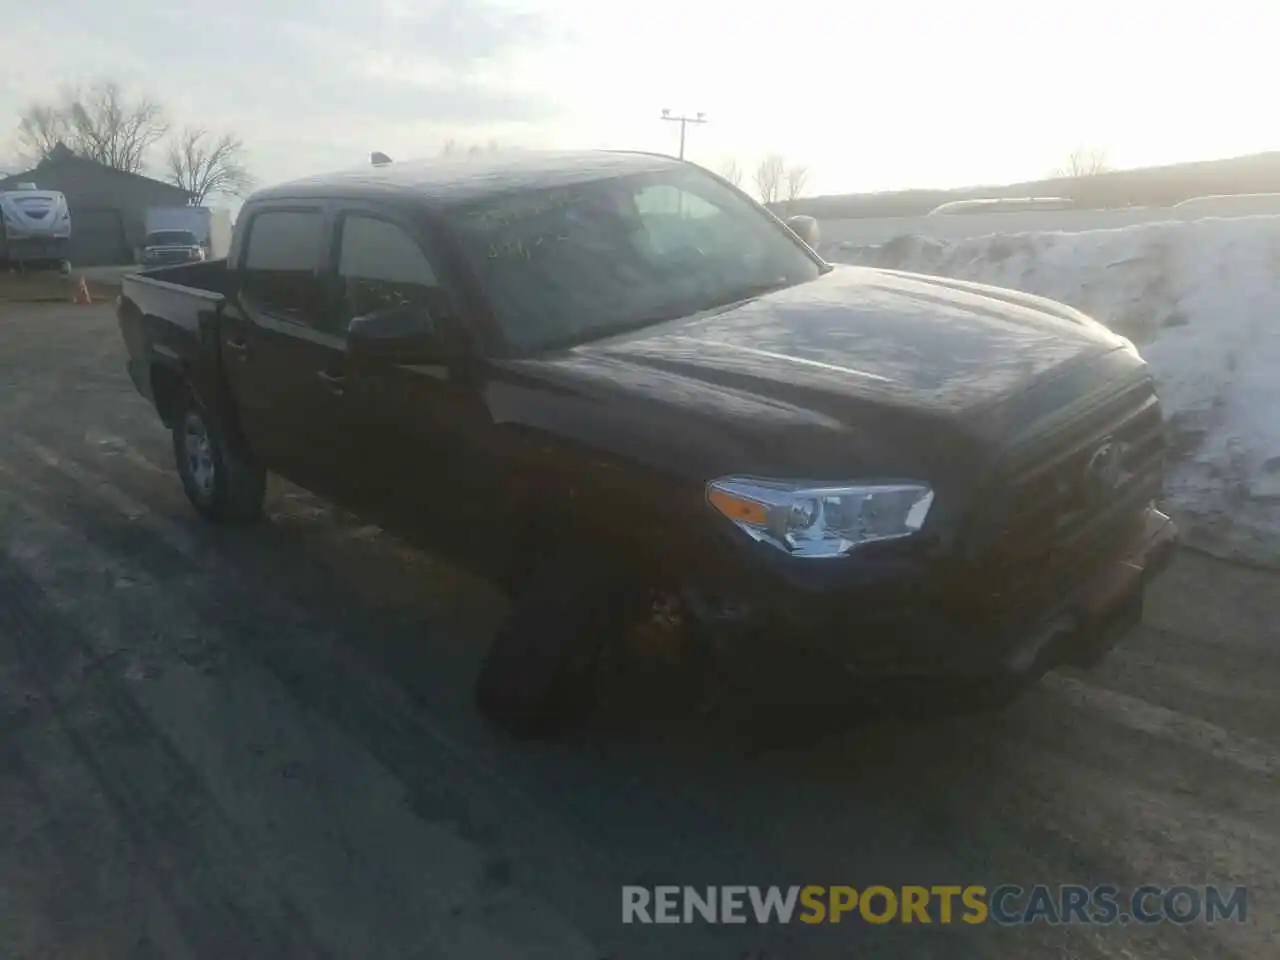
(684,124)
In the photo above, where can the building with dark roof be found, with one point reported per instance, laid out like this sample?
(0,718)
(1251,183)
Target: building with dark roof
(108,206)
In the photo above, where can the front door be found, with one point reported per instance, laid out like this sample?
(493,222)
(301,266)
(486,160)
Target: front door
(419,429)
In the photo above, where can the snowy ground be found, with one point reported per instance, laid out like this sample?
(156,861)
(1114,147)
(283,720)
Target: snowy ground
(1202,301)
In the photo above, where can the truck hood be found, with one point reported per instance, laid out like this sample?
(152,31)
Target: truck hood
(909,370)
(895,338)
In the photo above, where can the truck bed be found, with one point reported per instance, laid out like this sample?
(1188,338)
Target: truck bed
(205,277)
(177,294)
(167,317)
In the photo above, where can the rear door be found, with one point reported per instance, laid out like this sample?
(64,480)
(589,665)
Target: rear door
(281,349)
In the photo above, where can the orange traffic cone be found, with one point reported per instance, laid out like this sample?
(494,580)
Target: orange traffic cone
(82,293)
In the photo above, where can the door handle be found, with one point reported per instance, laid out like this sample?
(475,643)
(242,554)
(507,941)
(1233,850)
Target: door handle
(335,383)
(236,344)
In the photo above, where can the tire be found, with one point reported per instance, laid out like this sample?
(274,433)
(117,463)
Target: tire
(221,481)
(538,678)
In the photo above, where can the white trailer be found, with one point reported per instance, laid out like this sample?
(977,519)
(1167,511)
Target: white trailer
(35,227)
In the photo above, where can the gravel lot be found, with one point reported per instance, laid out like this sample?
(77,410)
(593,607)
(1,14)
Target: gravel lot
(258,743)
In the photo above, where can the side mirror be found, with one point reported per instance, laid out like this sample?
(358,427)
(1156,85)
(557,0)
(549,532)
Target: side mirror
(806,228)
(404,333)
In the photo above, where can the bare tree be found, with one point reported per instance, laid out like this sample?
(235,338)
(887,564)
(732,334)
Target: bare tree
(106,126)
(1084,162)
(768,177)
(794,180)
(41,127)
(450,148)
(205,165)
(731,170)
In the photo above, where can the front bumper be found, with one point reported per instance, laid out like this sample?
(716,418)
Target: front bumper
(903,622)
(171,258)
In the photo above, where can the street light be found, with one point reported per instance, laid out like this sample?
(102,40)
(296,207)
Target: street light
(684,122)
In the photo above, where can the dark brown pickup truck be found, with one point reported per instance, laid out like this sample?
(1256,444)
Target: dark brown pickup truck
(604,378)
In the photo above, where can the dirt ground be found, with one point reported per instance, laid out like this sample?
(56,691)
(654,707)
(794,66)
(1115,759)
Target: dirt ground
(50,286)
(258,743)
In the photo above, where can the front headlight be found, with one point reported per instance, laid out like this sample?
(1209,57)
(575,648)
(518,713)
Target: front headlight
(821,520)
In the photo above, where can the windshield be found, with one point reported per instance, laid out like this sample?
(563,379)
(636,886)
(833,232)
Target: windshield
(171,238)
(567,265)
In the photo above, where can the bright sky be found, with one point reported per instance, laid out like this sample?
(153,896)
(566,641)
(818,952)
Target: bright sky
(897,93)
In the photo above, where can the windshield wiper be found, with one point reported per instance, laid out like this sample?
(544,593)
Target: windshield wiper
(605,331)
(753,290)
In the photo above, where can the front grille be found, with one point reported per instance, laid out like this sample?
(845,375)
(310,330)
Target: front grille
(1044,519)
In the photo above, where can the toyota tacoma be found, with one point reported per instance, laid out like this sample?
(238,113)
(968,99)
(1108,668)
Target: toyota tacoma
(601,378)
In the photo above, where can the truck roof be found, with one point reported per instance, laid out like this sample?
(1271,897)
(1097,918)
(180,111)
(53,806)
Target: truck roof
(447,181)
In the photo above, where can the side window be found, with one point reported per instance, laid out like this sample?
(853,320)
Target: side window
(665,200)
(280,263)
(380,266)
(676,220)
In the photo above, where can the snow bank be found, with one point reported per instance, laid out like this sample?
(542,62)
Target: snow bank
(1201,299)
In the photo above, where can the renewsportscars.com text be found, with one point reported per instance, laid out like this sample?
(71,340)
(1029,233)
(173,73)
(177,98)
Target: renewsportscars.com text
(1007,904)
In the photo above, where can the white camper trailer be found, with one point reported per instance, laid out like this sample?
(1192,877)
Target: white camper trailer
(36,228)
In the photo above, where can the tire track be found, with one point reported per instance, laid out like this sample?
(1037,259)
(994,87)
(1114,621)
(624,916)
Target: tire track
(370,848)
(151,790)
(445,776)
(1185,731)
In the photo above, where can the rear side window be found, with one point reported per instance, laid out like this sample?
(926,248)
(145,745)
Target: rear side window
(380,266)
(280,264)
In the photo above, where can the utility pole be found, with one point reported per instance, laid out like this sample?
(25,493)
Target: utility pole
(684,124)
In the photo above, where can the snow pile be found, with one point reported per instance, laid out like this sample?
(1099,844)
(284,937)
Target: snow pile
(1201,299)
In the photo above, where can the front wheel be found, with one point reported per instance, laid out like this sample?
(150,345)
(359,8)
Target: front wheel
(539,676)
(223,483)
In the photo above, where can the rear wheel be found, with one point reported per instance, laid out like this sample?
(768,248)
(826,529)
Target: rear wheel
(221,481)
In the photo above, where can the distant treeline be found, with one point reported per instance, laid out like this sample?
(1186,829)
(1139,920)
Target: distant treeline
(1146,187)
